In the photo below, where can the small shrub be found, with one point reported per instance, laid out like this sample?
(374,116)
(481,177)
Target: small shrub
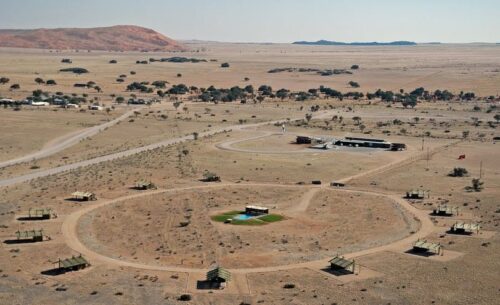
(184,297)
(354,84)
(458,172)
(477,185)
(75,70)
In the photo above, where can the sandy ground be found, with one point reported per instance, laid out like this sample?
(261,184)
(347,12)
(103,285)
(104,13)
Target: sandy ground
(457,67)
(27,131)
(140,255)
(302,236)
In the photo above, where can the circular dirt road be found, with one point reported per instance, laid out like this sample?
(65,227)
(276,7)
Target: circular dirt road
(69,229)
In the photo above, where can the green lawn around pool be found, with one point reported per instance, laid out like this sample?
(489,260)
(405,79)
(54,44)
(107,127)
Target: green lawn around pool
(249,222)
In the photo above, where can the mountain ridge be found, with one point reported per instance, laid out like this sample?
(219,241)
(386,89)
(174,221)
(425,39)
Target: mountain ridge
(374,43)
(113,38)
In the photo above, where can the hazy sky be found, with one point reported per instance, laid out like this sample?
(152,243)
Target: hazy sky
(272,20)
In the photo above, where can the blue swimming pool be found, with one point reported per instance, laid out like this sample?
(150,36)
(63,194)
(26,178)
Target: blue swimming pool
(243,217)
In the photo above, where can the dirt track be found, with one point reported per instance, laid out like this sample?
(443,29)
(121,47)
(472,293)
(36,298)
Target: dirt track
(66,141)
(69,227)
(136,150)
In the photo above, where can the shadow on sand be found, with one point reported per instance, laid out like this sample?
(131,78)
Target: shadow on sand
(340,272)
(421,253)
(53,272)
(20,241)
(207,285)
(26,218)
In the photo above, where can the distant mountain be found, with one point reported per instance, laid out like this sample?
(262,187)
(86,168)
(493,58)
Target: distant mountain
(336,43)
(115,38)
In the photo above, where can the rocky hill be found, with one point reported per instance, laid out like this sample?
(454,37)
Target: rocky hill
(115,38)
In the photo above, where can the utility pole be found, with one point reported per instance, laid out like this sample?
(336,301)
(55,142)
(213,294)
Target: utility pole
(428,157)
(481,169)
(423,140)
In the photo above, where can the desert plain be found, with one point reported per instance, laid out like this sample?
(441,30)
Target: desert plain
(155,246)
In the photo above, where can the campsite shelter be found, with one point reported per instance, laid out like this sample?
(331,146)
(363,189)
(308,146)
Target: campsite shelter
(415,194)
(444,210)
(218,275)
(464,228)
(39,214)
(73,263)
(30,236)
(83,196)
(423,246)
(144,185)
(339,263)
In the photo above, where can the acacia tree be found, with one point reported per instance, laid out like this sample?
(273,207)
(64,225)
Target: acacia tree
(4,80)
(39,80)
(477,185)
(357,119)
(458,172)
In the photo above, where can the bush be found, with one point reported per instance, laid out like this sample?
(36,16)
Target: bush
(113,61)
(354,67)
(477,185)
(458,172)
(75,70)
(224,65)
(4,80)
(51,82)
(159,84)
(15,87)
(353,84)
(289,286)
(184,297)
(178,89)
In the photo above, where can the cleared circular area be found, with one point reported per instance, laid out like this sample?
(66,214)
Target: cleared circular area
(175,228)
(281,143)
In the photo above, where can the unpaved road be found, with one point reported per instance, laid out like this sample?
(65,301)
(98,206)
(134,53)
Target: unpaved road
(68,140)
(70,223)
(69,227)
(133,151)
